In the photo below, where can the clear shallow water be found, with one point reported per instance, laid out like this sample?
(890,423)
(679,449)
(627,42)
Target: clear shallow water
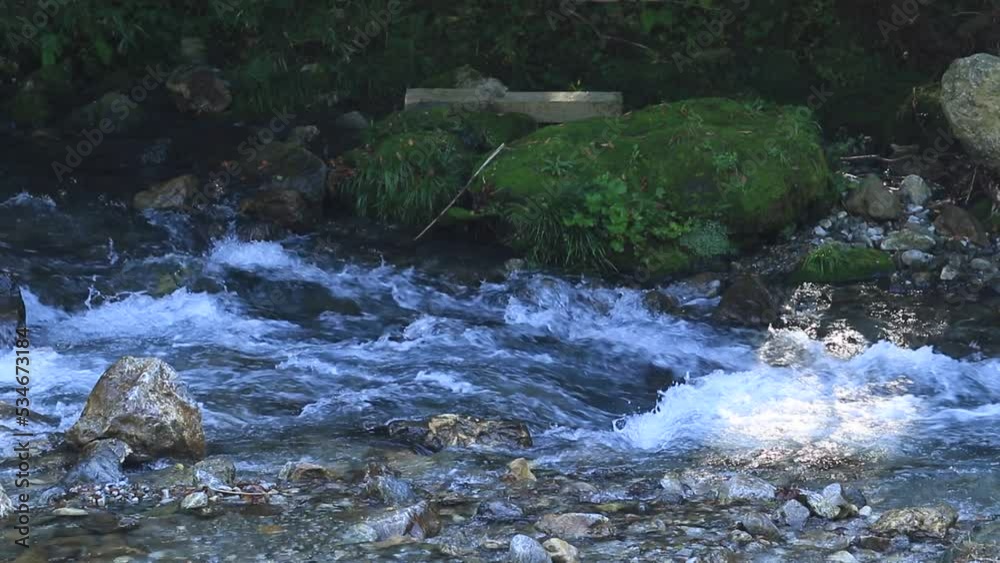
(297,345)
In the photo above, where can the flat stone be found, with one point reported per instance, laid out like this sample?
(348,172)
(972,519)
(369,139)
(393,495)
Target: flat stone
(575,525)
(915,190)
(194,501)
(759,525)
(745,488)
(916,259)
(907,239)
(795,514)
(929,521)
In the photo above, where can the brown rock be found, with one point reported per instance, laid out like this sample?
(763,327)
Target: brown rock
(930,521)
(874,201)
(176,193)
(285,208)
(748,302)
(142,402)
(956,222)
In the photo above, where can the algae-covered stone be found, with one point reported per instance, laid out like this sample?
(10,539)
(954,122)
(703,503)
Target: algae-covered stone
(840,263)
(628,188)
(927,521)
(970,96)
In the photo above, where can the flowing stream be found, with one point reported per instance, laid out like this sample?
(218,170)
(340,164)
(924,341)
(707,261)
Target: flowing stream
(296,349)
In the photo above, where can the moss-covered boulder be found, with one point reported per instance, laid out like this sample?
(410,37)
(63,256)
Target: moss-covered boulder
(36,99)
(659,188)
(839,263)
(414,162)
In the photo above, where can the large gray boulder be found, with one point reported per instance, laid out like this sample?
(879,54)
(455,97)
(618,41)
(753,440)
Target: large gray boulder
(11,310)
(970,98)
(142,402)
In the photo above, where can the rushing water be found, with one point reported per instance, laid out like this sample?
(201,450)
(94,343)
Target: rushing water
(297,348)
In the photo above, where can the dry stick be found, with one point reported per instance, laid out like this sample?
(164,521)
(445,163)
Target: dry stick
(459,194)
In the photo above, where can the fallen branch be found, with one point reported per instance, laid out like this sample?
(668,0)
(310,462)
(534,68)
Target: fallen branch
(459,194)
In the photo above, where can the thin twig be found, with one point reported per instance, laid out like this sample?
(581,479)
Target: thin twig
(874,157)
(459,194)
(225,492)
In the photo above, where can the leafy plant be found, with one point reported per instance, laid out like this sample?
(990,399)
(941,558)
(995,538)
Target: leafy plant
(707,240)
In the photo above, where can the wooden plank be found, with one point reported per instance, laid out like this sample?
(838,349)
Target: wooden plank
(545,107)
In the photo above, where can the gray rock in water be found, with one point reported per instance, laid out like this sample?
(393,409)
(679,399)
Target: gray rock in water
(915,190)
(575,525)
(217,472)
(451,430)
(981,265)
(795,514)
(524,549)
(379,482)
(926,521)
(760,526)
(949,273)
(288,209)
(99,463)
(970,99)
(419,521)
(180,193)
(359,533)
(6,506)
(12,313)
(829,504)
(745,488)
(675,490)
(142,402)
(499,511)
(874,201)
(194,501)
(907,239)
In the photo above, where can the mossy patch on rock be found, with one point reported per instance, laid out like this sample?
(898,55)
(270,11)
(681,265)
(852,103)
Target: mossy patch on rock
(839,263)
(416,161)
(624,191)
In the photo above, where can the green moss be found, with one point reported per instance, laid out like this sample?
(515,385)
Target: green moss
(417,160)
(643,180)
(840,263)
(920,117)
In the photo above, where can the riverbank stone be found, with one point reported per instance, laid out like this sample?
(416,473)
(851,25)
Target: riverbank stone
(970,98)
(924,521)
(12,311)
(100,462)
(748,301)
(561,551)
(575,525)
(873,200)
(142,402)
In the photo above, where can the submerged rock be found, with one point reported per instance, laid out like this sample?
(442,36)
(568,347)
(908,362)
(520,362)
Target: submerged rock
(289,167)
(295,471)
(575,525)
(928,521)
(499,511)
(519,470)
(419,521)
(100,463)
(381,483)
(12,312)
(873,200)
(450,430)
(748,301)
(970,98)
(524,549)
(142,402)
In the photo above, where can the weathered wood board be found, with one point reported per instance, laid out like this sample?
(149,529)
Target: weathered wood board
(545,107)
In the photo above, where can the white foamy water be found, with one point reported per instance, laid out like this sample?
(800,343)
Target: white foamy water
(572,359)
